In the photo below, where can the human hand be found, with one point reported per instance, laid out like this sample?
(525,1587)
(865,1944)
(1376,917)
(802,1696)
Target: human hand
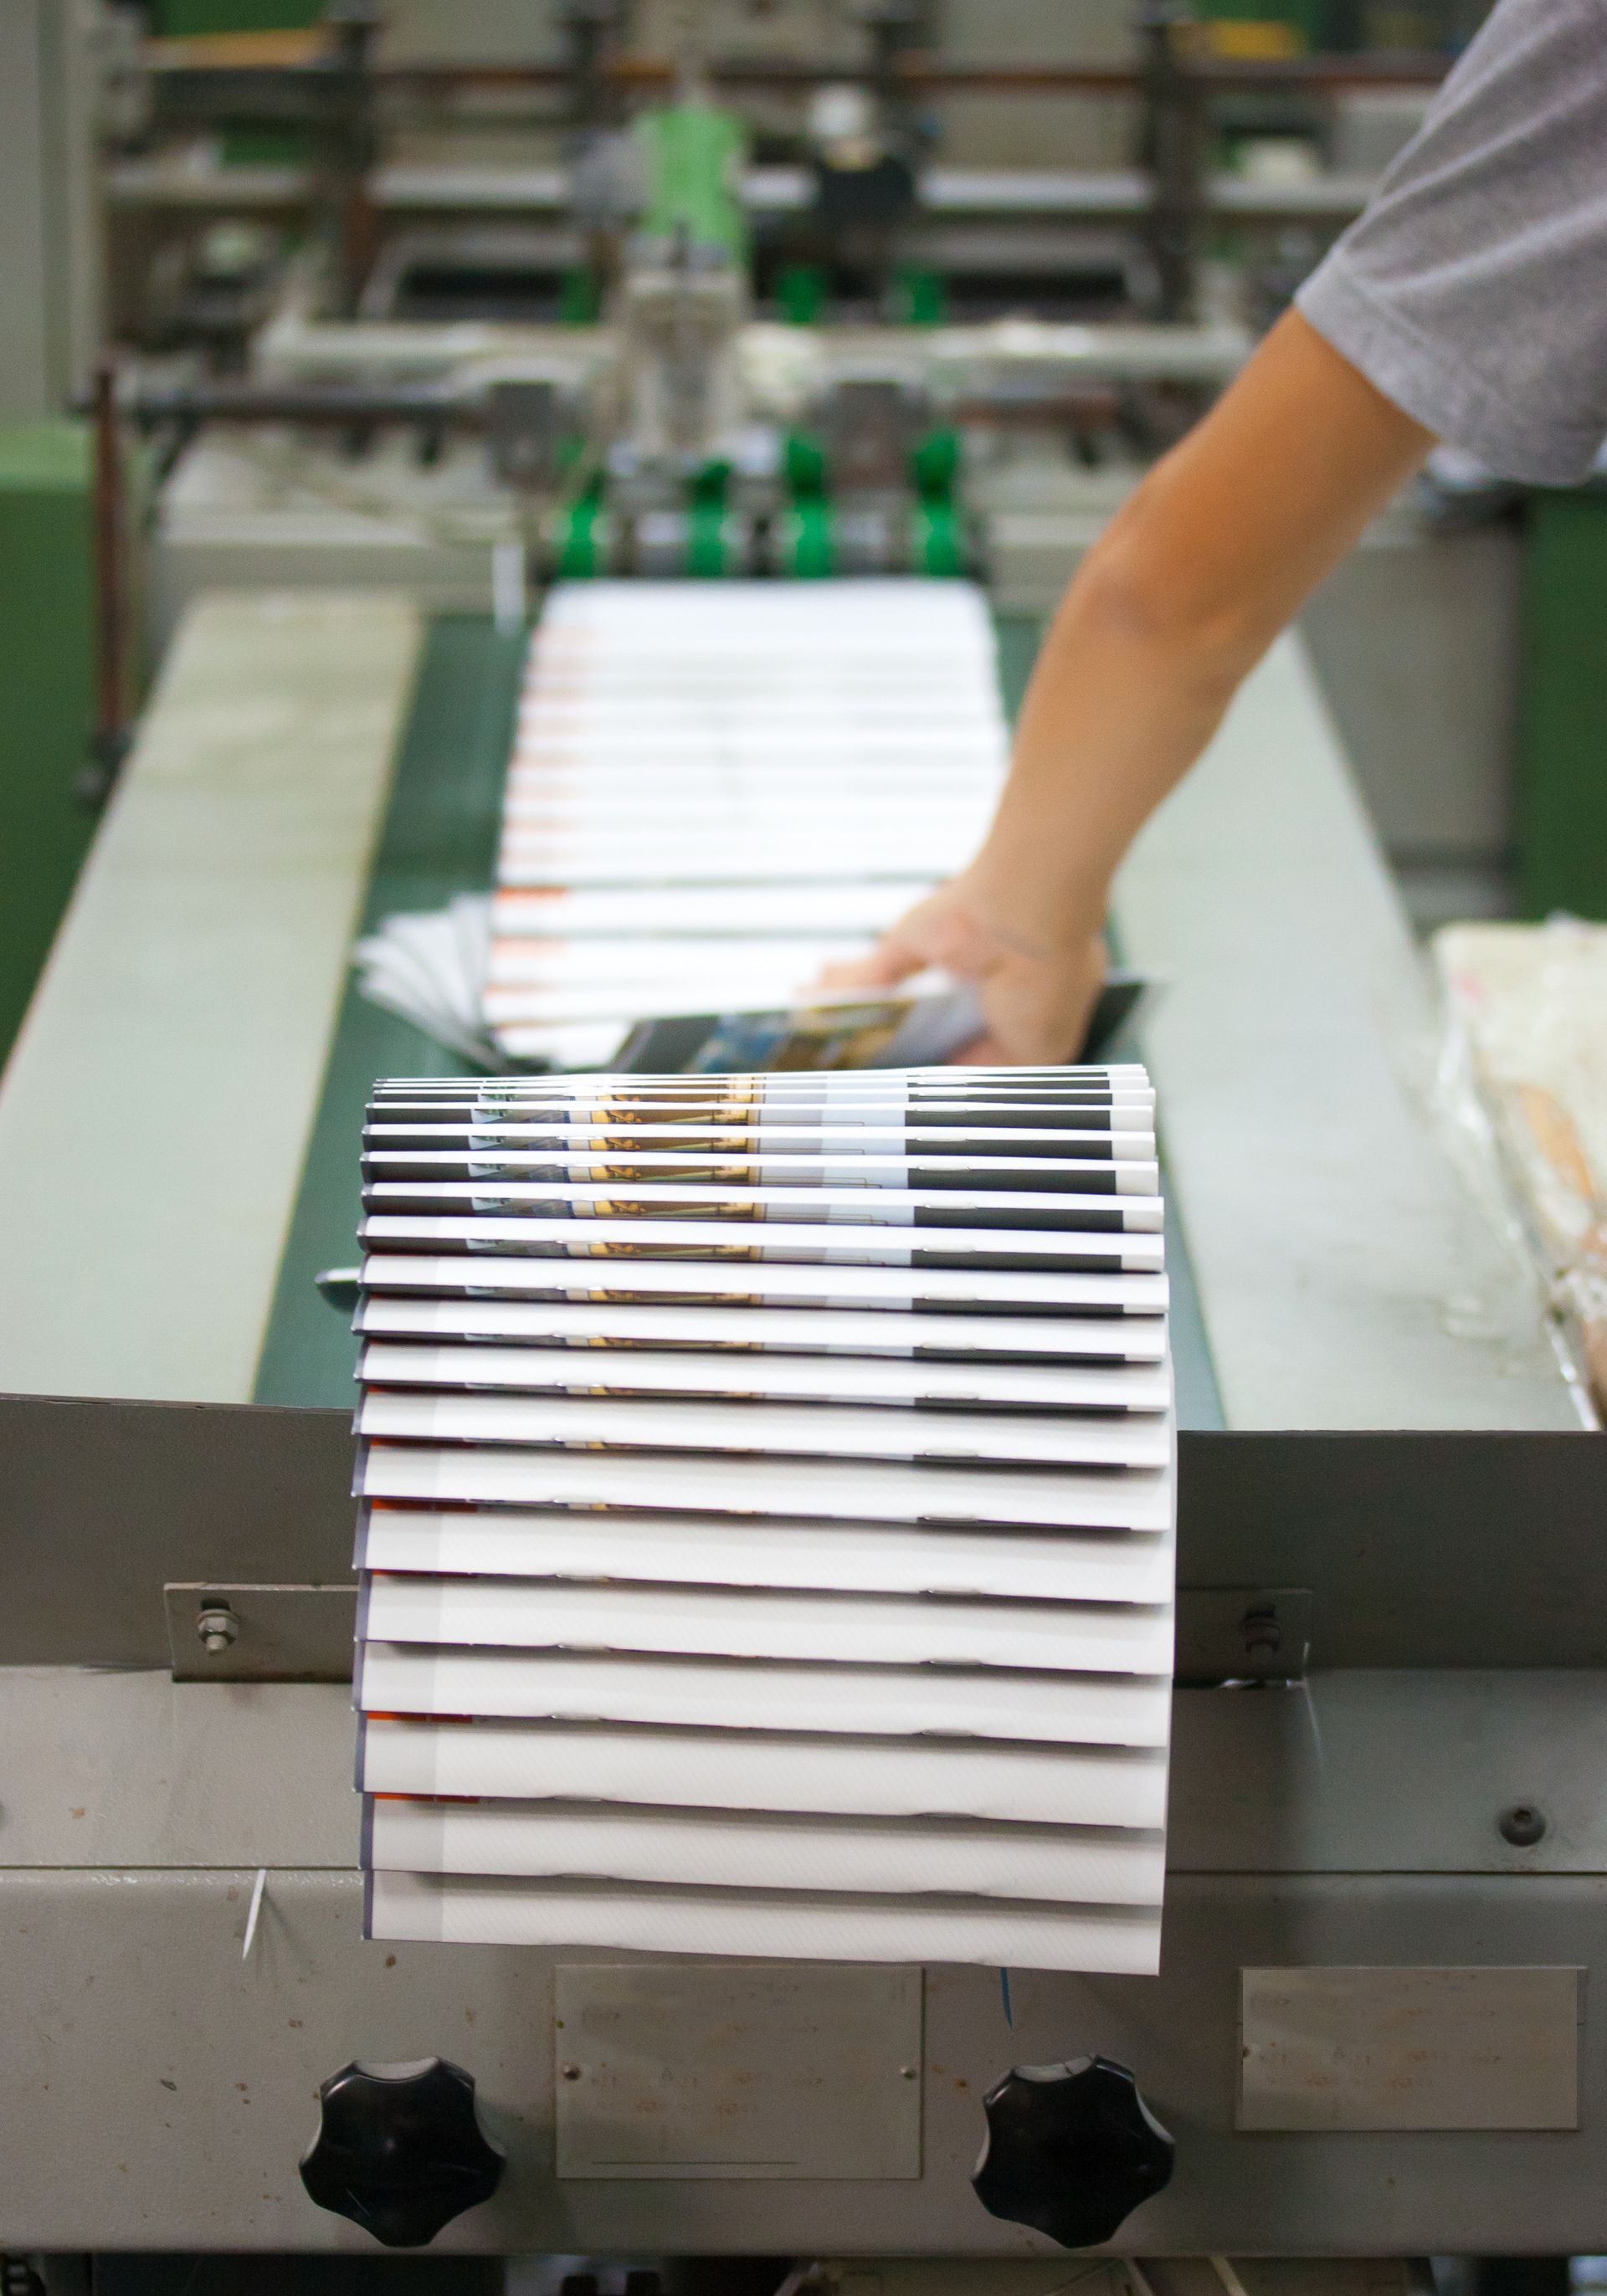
(1036,1000)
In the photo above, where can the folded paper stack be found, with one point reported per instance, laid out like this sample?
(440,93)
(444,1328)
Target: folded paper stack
(707,802)
(800,1582)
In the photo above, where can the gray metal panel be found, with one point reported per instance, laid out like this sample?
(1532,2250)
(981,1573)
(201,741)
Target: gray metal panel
(1417,1549)
(1347,1282)
(1391,1772)
(49,223)
(1415,638)
(156,1111)
(102,1504)
(134,1770)
(1375,2048)
(749,2069)
(178,2080)
(221,1632)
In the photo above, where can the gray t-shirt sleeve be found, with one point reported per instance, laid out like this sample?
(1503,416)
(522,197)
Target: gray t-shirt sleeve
(1473,290)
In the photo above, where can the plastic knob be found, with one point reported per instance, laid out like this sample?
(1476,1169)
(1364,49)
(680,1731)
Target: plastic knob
(400,2150)
(1071,2150)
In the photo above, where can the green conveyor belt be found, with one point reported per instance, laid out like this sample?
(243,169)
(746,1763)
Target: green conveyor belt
(439,839)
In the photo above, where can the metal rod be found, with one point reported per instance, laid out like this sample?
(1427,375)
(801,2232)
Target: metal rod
(109,744)
(919,74)
(341,407)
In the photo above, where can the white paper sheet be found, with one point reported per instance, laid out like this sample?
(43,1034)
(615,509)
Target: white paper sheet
(805,761)
(1025,1341)
(780,1431)
(734,1769)
(1015,1210)
(601,1369)
(824,1701)
(748,1623)
(476,1909)
(839,1490)
(724,1850)
(897,1291)
(801,1243)
(1062,1566)
(960,1177)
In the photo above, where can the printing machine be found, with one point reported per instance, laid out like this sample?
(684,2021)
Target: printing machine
(1369,2039)
(1371,2035)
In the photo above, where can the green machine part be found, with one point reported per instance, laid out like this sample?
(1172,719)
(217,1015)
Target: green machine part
(809,552)
(694,154)
(1562,706)
(709,554)
(808,549)
(920,296)
(801,291)
(938,545)
(46,692)
(580,296)
(938,533)
(938,540)
(579,545)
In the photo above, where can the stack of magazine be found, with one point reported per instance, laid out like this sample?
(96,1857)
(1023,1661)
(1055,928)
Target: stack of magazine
(711,797)
(768,1497)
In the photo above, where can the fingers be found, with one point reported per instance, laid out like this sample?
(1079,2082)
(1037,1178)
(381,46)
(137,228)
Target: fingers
(871,971)
(896,957)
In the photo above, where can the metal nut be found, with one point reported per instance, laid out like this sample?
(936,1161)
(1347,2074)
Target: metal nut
(1522,1825)
(216,1626)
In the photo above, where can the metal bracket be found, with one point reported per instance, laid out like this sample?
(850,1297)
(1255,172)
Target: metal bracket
(1243,1633)
(219,1633)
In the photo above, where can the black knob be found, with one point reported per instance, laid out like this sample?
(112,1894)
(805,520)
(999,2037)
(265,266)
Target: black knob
(1070,2150)
(400,2150)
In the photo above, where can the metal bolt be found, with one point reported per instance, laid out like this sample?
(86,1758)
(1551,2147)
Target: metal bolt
(569,2072)
(218,1626)
(908,2072)
(1263,1637)
(1522,1825)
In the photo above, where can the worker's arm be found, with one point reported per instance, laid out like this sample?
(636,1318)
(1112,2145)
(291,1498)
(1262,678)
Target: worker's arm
(1188,587)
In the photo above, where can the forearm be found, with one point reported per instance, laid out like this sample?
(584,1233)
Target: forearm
(1114,718)
(1171,610)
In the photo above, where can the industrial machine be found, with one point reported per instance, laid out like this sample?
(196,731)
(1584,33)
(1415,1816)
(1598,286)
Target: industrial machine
(1372,2035)
(903,301)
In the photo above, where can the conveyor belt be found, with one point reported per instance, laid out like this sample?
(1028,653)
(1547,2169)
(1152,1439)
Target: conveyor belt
(439,839)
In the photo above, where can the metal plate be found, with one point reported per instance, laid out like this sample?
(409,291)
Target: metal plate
(261,1634)
(1243,1633)
(137,2035)
(741,2068)
(1331,2049)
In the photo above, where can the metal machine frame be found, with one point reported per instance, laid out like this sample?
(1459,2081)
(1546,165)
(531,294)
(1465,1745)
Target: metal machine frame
(1392,1679)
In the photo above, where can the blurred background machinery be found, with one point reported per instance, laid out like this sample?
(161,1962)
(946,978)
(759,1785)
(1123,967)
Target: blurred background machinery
(456,301)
